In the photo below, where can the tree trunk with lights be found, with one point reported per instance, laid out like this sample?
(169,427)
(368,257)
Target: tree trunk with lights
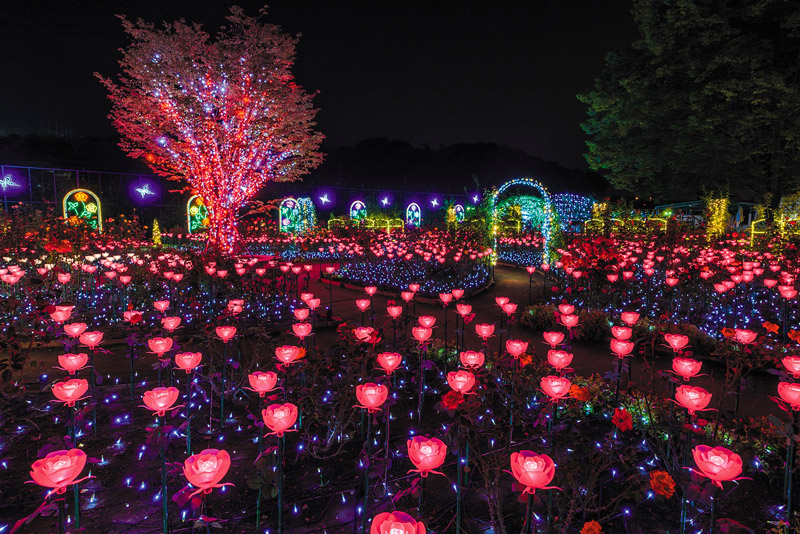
(222,114)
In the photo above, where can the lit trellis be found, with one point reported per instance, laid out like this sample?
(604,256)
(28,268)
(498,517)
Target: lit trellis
(358,210)
(413,215)
(572,208)
(547,219)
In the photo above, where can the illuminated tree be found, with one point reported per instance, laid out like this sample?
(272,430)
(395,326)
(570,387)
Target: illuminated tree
(221,113)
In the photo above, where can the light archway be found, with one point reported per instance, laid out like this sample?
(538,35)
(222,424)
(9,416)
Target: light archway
(547,224)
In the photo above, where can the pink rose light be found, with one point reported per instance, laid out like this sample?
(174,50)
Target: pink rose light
(427,455)
(160,345)
(621,332)
(279,418)
(534,471)
(744,336)
(370,290)
(160,400)
(569,321)
(566,309)
(790,394)
(226,333)
(501,301)
(371,396)
(553,338)
(161,305)
(629,318)
(301,330)
(362,304)
(206,469)
(516,347)
(59,316)
(555,387)
(463,309)
(73,362)
(461,381)
(396,523)
(694,399)
(188,361)
(472,359)
(559,359)
(484,330)
(717,463)
(301,314)
(75,329)
(261,382)
(394,311)
(421,333)
(91,339)
(792,364)
(509,308)
(389,361)
(59,469)
(676,341)
(288,354)
(426,320)
(686,367)
(70,391)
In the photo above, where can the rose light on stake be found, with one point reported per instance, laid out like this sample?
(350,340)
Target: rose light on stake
(279,418)
(534,471)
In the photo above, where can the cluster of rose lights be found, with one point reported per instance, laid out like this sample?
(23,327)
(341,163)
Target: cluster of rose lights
(206,470)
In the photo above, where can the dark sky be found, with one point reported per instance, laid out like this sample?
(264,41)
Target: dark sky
(436,72)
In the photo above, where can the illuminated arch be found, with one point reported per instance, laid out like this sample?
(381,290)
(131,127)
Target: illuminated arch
(288,213)
(358,210)
(85,205)
(413,215)
(547,220)
(196,215)
(458,211)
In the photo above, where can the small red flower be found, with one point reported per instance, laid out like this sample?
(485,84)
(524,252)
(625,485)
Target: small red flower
(622,419)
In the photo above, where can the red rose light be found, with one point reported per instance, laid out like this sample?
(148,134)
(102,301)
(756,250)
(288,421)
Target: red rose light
(58,469)
(161,305)
(629,318)
(226,333)
(787,292)
(394,311)
(484,330)
(313,303)
(91,339)
(509,308)
(676,341)
(288,354)
(364,333)
(371,396)
(421,333)
(279,417)
(73,362)
(790,393)
(516,347)
(559,358)
(389,361)
(463,309)
(301,314)
(534,471)
(407,296)
(160,345)
(132,316)
(171,323)
(427,454)
(205,470)
(63,278)
(60,316)
(160,399)
(694,399)
(426,320)
(792,364)
(371,290)
(555,387)
(301,330)
(621,332)
(305,296)
(457,293)
(75,329)
(472,358)
(744,336)
(569,320)
(188,361)
(362,304)
(621,347)
(70,391)
(261,382)
(553,338)
(461,381)
(501,301)
(717,463)
(396,523)
(413,287)
(566,309)
(446,298)
(686,367)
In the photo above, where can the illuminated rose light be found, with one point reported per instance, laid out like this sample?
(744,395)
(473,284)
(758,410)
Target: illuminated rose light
(792,364)
(70,391)
(73,362)
(534,471)
(301,330)
(621,332)
(694,399)
(676,341)
(744,336)
(790,394)
(686,367)
(91,339)
(188,361)
(371,396)
(159,400)
(171,323)
(396,523)
(59,469)
(621,347)
(472,359)
(560,359)
(427,455)
(553,339)
(629,318)
(461,381)
(426,320)
(717,463)
(516,347)
(288,354)
(75,329)
(555,387)
(389,361)
(279,418)
(485,331)
(206,470)
(262,382)
(421,333)
(160,345)
(161,305)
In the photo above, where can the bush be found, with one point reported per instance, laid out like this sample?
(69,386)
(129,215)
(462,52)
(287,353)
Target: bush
(539,317)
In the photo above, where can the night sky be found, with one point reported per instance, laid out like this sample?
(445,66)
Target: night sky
(435,72)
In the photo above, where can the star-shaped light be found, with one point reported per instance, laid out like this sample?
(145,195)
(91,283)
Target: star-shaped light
(434,202)
(475,199)
(324,199)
